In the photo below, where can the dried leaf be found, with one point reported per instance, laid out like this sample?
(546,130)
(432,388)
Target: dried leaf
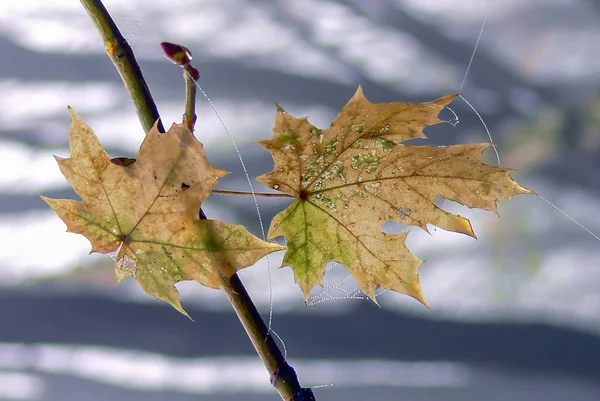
(354,176)
(147,209)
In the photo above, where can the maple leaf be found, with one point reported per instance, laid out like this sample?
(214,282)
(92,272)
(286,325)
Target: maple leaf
(147,209)
(354,176)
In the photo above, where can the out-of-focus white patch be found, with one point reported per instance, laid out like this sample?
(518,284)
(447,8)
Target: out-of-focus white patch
(384,55)
(224,375)
(35,245)
(561,49)
(28,105)
(47,26)
(20,386)
(31,170)
(254,35)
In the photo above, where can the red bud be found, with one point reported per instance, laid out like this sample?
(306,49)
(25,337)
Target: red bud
(177,54)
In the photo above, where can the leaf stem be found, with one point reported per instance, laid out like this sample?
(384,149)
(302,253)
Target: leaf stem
(283,376)
(243,193)
(122,57)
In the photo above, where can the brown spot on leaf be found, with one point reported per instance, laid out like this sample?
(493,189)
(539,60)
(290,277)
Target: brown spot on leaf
(122,161)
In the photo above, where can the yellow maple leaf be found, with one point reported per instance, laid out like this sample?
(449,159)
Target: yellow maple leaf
(148,211)
(354,176)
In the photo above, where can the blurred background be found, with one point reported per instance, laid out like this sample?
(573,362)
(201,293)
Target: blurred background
(514,315)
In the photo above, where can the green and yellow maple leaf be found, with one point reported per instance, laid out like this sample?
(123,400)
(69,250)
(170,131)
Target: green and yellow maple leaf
(354,176)
(148,211)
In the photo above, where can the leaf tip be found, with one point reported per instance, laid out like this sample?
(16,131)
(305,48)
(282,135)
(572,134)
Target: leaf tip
(177,305)
(73,114)
(184,313)
(359,95)
(445,100)
(458,224)
(525,191)
(276,248)
(306,294)
(173,301)
(416,293)
(50,201)
(279,108)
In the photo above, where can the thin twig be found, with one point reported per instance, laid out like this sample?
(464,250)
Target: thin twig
(122,57)
(283,376)
(181,56)
(189,116)
(242,193)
